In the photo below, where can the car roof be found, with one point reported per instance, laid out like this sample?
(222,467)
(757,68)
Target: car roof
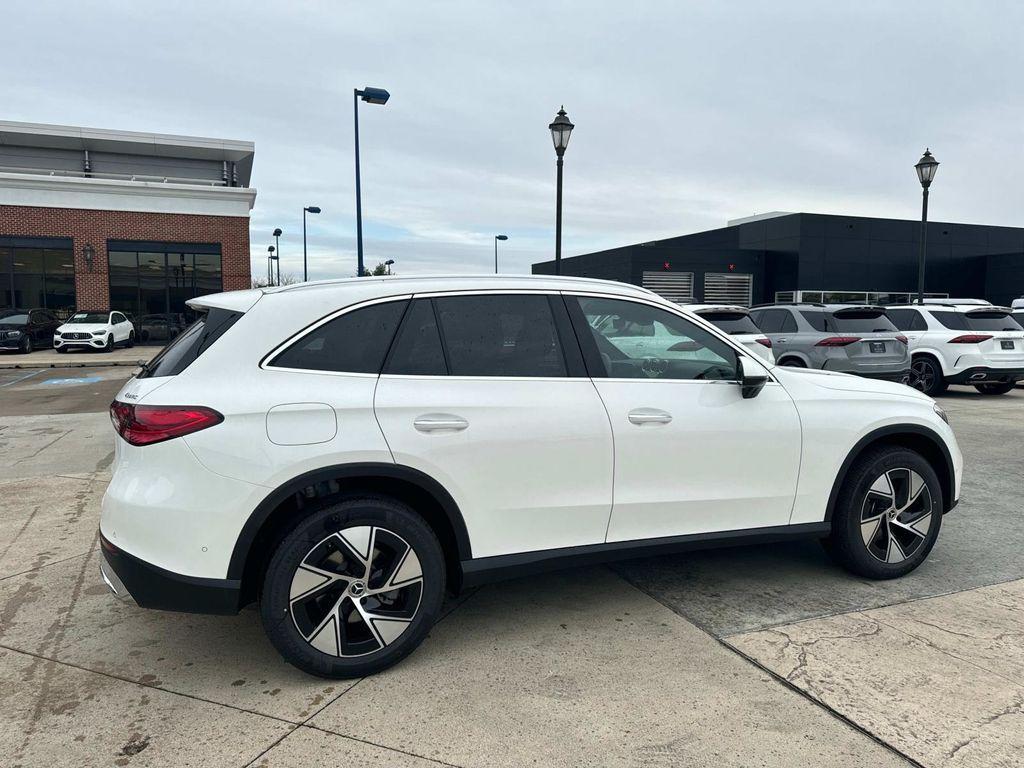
(397,285)
(715,308)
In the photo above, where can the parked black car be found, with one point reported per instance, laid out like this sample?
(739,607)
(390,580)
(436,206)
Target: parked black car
(27,329)
(159,327)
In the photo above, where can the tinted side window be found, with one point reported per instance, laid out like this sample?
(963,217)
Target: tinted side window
(417,348)
(769,320)
(816,320)
(496,335)
(673,347)
(906,319)
(788,322)
(952,320)
(354,342)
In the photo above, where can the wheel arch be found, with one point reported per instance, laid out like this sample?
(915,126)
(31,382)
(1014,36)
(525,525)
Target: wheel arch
(282,509)
(798,356)
(913,436)
(935,356)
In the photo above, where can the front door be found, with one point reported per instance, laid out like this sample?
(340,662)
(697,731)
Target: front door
(691,455)
(484,393)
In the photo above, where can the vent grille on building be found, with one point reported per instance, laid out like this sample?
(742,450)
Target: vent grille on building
(728,289)
(674,286)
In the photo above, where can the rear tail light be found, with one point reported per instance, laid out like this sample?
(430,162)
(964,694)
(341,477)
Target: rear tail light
(971,338)
(901,338)
(148,424)
(837,341)
(764,341)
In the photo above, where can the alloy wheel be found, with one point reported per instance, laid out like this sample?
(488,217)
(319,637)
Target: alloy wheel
(922,375)
(356,591)
(896,515)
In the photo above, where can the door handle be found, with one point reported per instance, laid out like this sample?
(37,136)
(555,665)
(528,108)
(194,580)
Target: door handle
(440,422)
(641,416)
(780,341)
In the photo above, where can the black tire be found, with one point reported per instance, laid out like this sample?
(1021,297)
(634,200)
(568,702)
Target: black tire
(26,346)
(131,340)
(360,648)
(61,350)
(995,389)
(868,551)
(109,346)
(792,362)
(926,376)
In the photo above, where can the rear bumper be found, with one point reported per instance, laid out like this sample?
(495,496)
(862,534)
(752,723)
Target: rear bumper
(981,374)
(150,586)
(900,377)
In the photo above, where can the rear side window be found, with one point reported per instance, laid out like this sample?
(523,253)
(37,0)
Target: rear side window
(907,319)
(992,321)
(417,348)
(498,335)
(354,342)
(952,320)
(772,320)
(816,320)
(731,322)
(190,343)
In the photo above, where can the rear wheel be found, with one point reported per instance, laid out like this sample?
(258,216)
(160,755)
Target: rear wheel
(995,389)
(131,339)
(926,376)
(888,514)
(354,589)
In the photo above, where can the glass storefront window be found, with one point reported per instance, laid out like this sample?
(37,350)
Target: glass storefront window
(33,278)
(145,283)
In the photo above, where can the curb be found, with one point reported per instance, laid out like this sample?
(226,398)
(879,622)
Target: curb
(104,364)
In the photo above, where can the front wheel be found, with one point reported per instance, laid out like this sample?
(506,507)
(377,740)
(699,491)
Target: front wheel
(26,346)
(354,588)
(888,514)
(109,346)
(926,376)
(995,389)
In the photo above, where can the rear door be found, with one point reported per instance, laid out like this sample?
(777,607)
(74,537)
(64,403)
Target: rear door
(487,394)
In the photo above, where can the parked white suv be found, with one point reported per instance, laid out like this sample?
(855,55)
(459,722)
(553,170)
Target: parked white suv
(344,452)
(737,323)
(94,330)
(960,343)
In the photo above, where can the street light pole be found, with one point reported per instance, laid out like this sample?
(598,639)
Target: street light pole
(305,263)
(270,265)
(496,239)
(560,129)
(370,96)
(277,244)
(926,168)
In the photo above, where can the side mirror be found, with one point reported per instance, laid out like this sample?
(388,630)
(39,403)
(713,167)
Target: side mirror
(751,384)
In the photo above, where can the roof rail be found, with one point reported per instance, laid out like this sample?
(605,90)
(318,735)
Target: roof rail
(789,304)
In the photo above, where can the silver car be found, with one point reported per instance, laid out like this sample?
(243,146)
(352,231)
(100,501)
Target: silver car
(836,337)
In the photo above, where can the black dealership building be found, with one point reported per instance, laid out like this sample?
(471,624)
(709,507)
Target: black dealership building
(816,257)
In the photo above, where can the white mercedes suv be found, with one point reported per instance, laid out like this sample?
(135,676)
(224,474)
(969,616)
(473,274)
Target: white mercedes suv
(343,452)
(957,342)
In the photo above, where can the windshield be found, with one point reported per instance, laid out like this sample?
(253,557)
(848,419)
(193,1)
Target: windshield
(14,317)
(731,322)
(992,321)
(89,317)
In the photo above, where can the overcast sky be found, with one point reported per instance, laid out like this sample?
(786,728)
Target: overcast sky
(687,113)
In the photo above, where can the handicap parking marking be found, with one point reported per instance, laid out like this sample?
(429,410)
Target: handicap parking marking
(71,381)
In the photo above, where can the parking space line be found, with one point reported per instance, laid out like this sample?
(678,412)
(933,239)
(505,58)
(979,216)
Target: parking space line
(26,376)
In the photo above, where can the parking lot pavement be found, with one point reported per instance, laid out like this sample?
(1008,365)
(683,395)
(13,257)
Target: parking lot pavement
(47,392)
(569,669)
(77,358)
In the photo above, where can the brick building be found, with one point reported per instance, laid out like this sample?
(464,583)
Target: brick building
(139,222)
